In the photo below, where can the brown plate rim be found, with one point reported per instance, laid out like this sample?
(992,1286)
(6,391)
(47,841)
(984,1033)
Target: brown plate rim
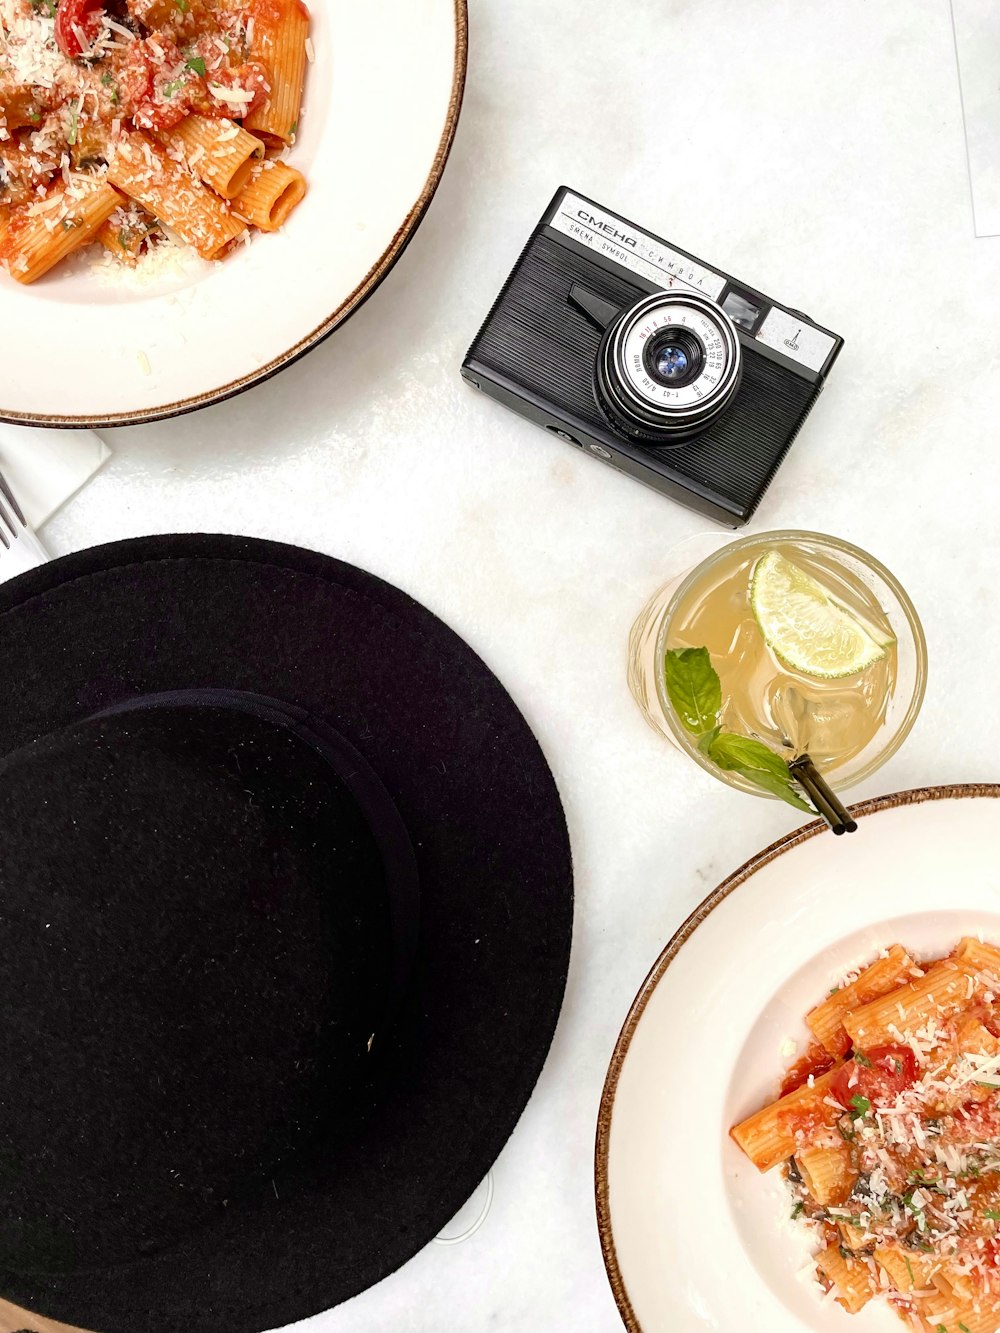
(894,800)
(372,280)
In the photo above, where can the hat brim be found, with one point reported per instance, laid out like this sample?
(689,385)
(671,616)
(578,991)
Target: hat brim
(475,792)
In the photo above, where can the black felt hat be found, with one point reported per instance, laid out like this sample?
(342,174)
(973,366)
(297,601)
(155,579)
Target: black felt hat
(286,902)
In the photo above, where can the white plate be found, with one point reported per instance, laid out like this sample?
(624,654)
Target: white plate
(381,105)
(694,1237)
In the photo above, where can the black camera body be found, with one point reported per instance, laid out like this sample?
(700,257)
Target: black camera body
(647,358)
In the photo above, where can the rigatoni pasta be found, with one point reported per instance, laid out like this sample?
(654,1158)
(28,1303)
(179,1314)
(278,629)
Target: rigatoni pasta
(127,233)
(173,103)
(142,170)
(277,38)
(893,1155)
(827,1170)
(774,1133)
(219,152)
(886,974)
(906,1270)
(42,233)
(942,991)
(272,191)
(849,1275)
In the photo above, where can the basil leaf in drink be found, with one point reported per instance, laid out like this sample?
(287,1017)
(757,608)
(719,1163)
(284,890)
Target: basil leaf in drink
(780,787)
(706,742)
(693,687)
(695,694)
(731,751)
(753,760)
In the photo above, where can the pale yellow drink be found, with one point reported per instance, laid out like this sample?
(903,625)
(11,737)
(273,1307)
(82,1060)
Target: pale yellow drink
(830,720)
(848,723)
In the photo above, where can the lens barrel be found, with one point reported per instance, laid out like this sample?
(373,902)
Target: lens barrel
(668,366)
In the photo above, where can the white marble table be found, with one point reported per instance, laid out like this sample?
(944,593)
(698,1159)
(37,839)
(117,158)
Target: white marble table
(815,150)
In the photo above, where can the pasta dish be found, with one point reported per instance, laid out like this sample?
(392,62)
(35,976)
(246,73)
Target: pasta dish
(888,1132)
(145,119)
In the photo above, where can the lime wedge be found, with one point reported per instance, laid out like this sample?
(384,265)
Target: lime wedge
(807,627)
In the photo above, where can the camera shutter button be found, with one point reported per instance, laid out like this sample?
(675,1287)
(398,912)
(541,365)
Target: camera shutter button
(600,451)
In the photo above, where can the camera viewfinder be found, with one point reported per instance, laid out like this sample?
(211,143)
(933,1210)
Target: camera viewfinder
(741,310)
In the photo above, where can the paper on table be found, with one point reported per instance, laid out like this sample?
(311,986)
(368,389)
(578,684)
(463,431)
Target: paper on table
(977,46)
(45,467)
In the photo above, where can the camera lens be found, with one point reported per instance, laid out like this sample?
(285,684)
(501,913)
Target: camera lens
(672,362)
(674,357)
(668,367)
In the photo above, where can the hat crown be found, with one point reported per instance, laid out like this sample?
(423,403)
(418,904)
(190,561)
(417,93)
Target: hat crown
(198,949)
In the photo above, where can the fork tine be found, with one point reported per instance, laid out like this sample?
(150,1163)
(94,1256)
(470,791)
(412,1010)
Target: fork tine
(7,526)
(20,547)
(11,499)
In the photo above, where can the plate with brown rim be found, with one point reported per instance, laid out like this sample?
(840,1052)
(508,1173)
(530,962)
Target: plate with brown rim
(694,1238)
(382,101)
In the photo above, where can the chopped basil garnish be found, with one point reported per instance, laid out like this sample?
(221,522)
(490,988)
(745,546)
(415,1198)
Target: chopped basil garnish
(861,1105)
(197,64)
(919,1215)
(862,1059)
(798,1208)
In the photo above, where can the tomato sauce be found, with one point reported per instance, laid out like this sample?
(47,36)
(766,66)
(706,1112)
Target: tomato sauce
(815,1062)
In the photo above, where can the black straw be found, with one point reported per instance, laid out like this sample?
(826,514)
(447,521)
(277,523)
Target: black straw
(816,787)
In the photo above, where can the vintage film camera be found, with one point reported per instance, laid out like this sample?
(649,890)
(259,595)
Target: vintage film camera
(663,367)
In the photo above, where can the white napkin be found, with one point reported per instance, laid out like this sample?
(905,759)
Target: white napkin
(977,34)
(45,467)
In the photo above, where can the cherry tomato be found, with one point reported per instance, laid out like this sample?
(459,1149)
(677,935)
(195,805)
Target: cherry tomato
(71,15)
(135,79)
(878,1076)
